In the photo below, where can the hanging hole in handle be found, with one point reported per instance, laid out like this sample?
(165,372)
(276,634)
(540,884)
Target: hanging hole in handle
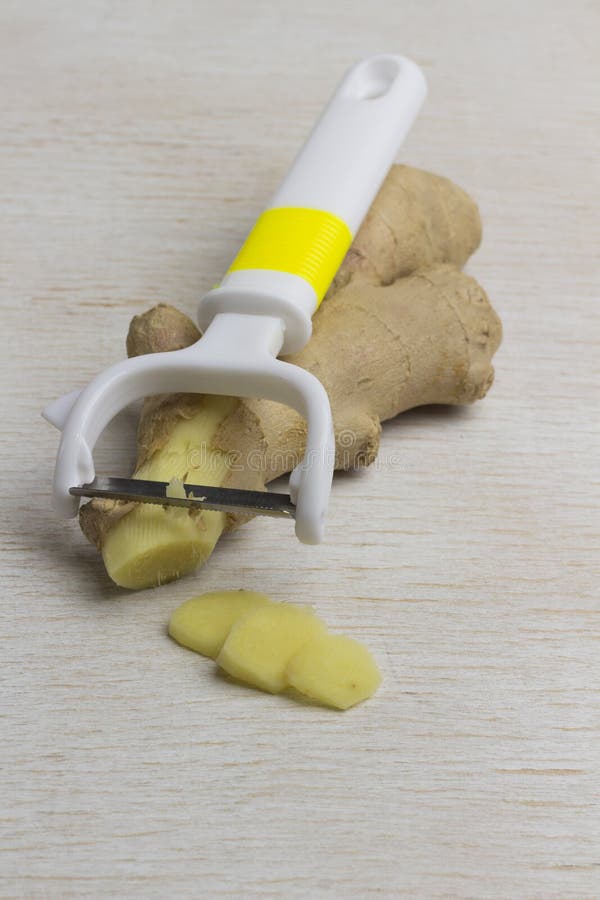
(373,78)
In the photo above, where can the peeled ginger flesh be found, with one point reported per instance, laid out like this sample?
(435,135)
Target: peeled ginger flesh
(260,645)
(273,646)
(203,623)
(334,670)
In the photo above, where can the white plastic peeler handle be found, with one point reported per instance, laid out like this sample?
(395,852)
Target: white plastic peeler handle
(292,254)
(350,150)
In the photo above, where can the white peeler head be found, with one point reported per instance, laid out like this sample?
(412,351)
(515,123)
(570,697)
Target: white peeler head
(235,357)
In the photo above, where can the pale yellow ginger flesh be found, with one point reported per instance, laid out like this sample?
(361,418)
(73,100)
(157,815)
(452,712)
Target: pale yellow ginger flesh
(274,646)
(401,326)
(334,670)
(175,489)
(203,623)
(155,544)
(260,645)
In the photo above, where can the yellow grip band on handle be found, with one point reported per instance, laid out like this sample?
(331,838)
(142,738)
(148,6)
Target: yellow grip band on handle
(309,243)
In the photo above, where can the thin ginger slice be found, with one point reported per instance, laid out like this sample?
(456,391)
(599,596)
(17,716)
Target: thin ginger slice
(203,623)
(334,670)
(275,645)
(260,645)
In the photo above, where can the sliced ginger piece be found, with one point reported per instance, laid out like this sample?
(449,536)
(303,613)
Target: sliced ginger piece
(260,645)
(275,645)
(334,670)
(203,623)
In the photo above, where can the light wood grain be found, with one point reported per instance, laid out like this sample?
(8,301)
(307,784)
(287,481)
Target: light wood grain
(139,140)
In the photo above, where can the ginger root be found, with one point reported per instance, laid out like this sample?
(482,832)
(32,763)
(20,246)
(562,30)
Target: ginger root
(401,326)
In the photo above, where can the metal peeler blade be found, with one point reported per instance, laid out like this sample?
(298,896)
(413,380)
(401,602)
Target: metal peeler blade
(264,503)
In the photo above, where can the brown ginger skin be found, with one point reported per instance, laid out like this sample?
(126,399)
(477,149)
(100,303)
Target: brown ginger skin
(416,220)
(160,329)
(401,327)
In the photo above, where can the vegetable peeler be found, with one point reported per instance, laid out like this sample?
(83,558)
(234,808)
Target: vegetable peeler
(263,308)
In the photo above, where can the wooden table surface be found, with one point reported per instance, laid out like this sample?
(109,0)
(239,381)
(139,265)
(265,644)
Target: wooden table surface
(138,142)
